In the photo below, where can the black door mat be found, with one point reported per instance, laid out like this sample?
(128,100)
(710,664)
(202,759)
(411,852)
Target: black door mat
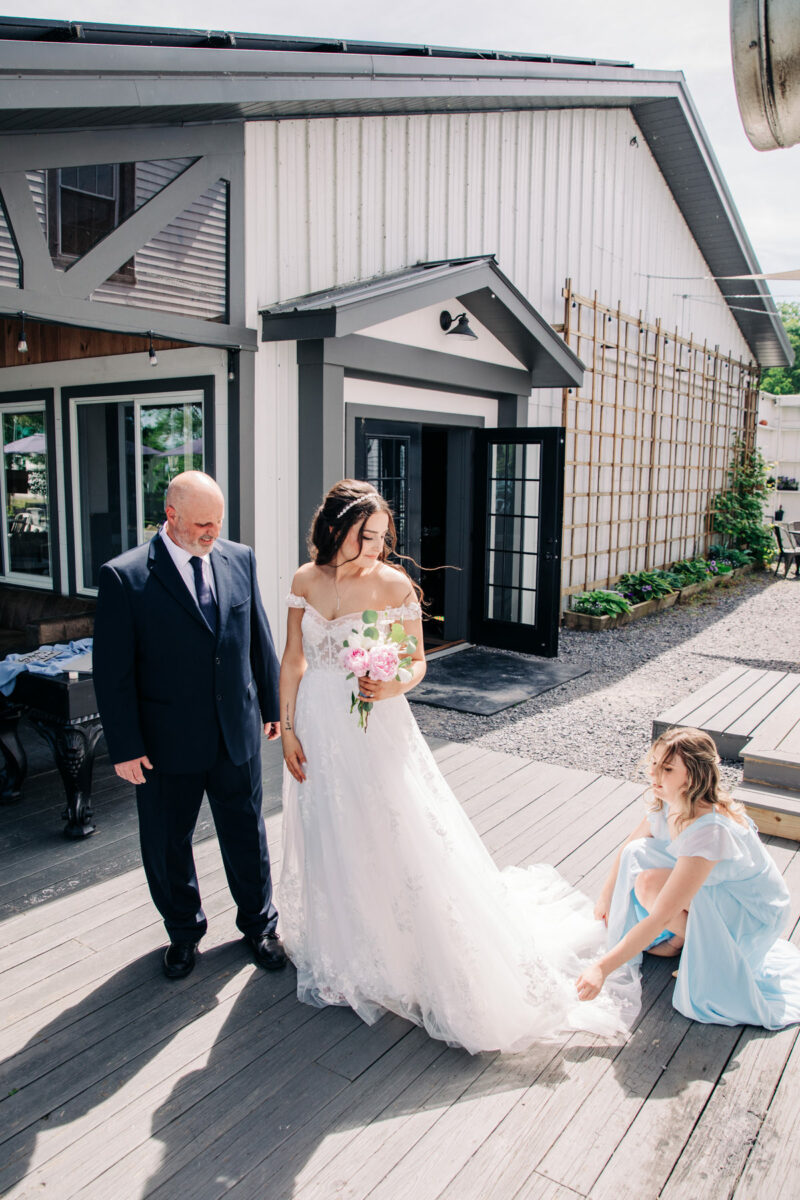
(484,682)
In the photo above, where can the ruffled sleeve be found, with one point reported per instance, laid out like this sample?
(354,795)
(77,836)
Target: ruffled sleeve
(406,612)
(295,601)
(712,839)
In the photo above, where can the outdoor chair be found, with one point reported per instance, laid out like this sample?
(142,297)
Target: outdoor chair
(788,548)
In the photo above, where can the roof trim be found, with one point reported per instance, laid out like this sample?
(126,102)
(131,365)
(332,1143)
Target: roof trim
(479,285)
(126,76)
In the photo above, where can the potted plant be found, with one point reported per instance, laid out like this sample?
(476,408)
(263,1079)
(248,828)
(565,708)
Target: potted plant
(598,609)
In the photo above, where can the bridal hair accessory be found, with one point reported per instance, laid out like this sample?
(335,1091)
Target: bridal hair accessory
(352,504)
(381,656)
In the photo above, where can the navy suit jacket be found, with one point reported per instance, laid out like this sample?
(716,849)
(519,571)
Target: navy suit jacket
(167,686)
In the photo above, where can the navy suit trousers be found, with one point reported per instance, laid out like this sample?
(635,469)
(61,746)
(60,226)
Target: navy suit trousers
(168,810)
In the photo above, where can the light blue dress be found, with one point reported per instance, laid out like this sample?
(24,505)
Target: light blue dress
(734,969)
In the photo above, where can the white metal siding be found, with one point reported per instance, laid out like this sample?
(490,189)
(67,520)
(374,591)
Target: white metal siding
(553,194)
(9,260)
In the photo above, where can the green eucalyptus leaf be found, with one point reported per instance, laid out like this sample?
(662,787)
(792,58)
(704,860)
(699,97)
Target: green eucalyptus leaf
(371,632)
(369,617)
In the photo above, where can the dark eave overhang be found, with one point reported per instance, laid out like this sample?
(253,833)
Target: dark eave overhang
(477,283)
(112,77)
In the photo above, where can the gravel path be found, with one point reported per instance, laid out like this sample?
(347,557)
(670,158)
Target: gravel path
(601,721)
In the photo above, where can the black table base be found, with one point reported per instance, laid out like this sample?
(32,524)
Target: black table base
(73,746)
(64,712)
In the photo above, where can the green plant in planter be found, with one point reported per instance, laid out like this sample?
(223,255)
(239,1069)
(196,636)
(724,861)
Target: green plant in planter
(737,558)
(644,585)
(600,603)
(719,566)
(691,570)
(739,512)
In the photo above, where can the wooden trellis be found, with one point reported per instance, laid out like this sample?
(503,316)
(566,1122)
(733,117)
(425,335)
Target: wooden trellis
(649,438)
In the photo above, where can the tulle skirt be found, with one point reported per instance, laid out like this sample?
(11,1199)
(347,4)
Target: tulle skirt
(389,901)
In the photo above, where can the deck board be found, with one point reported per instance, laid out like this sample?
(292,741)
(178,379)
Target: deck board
(119,1085)
(741,705)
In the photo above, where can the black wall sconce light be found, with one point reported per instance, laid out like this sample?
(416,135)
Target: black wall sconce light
(459,324)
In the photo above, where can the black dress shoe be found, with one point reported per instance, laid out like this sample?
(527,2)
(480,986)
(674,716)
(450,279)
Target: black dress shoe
(179,959)
(268,952)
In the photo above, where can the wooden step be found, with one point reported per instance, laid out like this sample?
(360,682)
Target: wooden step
(772,768)
(736,706)
(773,811)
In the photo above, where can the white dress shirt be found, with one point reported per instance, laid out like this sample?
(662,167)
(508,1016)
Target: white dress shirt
(181,559)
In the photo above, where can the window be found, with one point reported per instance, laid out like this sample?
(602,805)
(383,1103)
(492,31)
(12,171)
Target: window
(128,449)
(24,488)
(85,204)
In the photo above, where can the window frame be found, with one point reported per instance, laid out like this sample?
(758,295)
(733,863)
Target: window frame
(140,395)
(125,203)
(35,400)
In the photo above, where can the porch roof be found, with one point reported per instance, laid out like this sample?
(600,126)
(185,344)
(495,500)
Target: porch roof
(117,75)
(479,285)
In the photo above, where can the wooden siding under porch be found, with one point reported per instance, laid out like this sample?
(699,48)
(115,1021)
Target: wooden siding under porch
(117,1083)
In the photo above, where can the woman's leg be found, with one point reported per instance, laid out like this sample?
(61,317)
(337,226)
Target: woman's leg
(647,887)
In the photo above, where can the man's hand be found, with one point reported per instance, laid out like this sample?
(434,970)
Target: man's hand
(272,729)
(131,771)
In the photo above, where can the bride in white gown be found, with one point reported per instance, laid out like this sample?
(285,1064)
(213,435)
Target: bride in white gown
(388,898)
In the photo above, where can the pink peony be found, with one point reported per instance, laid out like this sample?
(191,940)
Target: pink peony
(354,659)
(383,663)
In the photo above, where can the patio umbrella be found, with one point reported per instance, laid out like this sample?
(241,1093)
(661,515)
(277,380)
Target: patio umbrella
(193,447)
(34,443)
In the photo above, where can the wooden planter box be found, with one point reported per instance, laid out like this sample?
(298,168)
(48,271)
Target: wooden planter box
(667,601)
(577,620)
(694,589)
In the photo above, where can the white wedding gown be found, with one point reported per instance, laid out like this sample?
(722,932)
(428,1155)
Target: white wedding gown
(388,898)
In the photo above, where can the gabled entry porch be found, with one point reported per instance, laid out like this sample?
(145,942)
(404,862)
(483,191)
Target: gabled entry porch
(390,389)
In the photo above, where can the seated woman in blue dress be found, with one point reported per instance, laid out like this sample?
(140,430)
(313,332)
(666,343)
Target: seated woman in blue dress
(694,879)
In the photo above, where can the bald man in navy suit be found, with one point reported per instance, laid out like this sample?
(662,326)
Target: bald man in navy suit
(186,677)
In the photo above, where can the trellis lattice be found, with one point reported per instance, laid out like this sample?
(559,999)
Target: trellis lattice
(649,438)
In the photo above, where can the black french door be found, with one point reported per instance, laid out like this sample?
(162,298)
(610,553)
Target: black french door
(516,565)
(388,456)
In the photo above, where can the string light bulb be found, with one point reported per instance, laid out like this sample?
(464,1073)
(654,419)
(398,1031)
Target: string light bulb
(22,344)
(151,353)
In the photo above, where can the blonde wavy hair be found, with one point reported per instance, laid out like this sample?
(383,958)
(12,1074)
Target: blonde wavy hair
(697,752)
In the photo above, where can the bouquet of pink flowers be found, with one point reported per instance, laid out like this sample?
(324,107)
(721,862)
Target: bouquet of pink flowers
(381,656)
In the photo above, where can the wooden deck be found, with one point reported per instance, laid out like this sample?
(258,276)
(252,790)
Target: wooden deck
(755,716)
(739,706)
(119,1084)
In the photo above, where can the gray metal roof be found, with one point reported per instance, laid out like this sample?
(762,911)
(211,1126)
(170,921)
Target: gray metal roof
(478,284)
(65,75)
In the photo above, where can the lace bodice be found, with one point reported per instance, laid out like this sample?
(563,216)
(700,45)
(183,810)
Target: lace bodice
(323,638)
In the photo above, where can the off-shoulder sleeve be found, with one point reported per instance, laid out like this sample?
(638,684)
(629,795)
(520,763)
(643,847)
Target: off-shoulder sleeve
(406,612)
(657,819)
(295,601)
(714,840)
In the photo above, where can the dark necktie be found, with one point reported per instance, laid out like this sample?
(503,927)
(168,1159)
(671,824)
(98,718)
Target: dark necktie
(205,597)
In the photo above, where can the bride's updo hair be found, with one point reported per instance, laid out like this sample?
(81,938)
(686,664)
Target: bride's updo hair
(349,502)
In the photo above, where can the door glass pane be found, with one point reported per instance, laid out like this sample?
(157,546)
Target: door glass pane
(119,505)
(387,465)
(26,498)
(512,532)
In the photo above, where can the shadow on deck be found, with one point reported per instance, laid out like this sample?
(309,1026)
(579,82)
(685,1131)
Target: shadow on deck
(117,1083)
